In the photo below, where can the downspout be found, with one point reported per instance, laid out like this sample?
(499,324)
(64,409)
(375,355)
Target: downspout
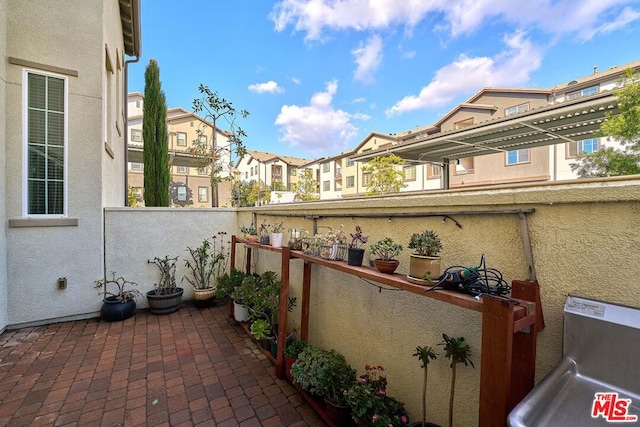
(126,127)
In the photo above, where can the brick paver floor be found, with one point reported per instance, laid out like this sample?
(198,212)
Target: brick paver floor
(194,367)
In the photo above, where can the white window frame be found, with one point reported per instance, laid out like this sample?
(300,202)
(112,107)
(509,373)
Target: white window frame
(350,181)
(206,195)
(136,132)
(326,185)
(178,144)
(138,167)
(518,160)
(179,196)
(582,93)
(25,144)
(516,109)
(182,169)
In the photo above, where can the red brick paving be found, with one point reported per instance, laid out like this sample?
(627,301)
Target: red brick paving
(195,367)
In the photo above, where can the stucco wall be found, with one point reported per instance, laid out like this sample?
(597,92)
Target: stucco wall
(3,215)
(38,256)
(584,242)
(134,236)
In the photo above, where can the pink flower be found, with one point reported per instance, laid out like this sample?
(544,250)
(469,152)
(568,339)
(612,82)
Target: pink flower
(374,418)
(381,392)
(404,419)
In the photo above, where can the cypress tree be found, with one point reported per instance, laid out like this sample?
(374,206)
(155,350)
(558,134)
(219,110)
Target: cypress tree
(156,140)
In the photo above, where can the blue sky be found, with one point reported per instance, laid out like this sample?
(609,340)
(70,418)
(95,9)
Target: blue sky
(317,76)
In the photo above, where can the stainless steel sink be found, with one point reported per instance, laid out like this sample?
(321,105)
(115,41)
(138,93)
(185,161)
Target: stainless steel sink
(601,362)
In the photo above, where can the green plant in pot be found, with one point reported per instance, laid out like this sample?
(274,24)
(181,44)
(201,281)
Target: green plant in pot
(425,355)
(242,294)
(277,234)
(385,252)
(166,296)
(457,352)
(205,265)
(371,405)
(291,352)
(249,233)
(356,252)
(120,303)
(264,232)
(424,263)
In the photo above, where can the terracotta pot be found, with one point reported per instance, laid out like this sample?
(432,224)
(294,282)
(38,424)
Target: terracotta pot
(387,267)
(424,267)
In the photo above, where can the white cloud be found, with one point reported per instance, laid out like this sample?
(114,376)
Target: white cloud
(468,74)
(368,57)
(267,87)
(318,128)
(556,17)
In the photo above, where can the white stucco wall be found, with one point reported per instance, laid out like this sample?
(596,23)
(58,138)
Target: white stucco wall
(3,215)
(37,256)
(135,235)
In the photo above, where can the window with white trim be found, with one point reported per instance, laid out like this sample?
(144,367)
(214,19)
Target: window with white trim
(136,167)
(584,146)
(515,157)
(517,109)
(326,167)
(366,179)
(350,162)
(182,169)
(350,181)
(181,139)
(136,135)
(182,194)
(45,136)
(580,93)
(409,173)
(203,194)
(326,185)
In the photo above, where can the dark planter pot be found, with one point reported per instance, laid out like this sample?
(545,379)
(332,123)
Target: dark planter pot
(264,240)
(355,256)
(113,310)
(288,363)
(164,304)
(339,415)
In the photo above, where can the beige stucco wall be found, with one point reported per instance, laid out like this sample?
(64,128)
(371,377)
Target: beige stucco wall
(38,256)
(3,215)
(135,235)
(584,240)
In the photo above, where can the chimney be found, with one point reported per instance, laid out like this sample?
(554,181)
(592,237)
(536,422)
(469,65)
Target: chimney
(595,70)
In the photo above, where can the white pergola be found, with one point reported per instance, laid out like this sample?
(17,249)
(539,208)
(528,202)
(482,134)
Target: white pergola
(567,121)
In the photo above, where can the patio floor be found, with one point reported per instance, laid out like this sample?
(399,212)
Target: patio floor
(193,367)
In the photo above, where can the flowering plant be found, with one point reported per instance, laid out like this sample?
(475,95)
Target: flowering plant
(357,238)
(370,403)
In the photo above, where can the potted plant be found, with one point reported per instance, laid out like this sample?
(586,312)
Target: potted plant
(325,374)
(165,297)
(207,263)
(277,234)
(291,352)
(371,405)
(386,251)
(241,294)
(425,355)
(456,351)
(356,252)
(333,244)
(424,263)
(263,232)
(249,233)
(119,304)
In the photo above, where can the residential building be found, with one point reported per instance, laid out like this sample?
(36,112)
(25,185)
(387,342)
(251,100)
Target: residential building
(190,177)
(62,160)
(278,173)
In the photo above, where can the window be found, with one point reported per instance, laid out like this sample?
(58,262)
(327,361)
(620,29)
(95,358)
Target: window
(465,166)
(182,169)
(202,139)
(351,182)
(409,173)
(136,135)
(366,179)
(585,146)
(137,192)
(136,167)
(251,170)
(45,100)
(463,123)
(293,172)
(326,167)
(326,185)
(182,139)
(350,162)
(515,157)
(203,194)
(182,194)
(580,93)
(517,109)
(434,171)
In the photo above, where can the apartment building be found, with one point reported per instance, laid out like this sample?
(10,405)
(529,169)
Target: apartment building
(190,179)
(279,173)
(533,162)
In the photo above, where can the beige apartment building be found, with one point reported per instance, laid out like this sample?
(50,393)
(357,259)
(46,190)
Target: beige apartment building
(190,182)
(341,174)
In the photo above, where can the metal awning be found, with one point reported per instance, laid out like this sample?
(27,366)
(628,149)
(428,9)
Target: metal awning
(562,122)
(176,158)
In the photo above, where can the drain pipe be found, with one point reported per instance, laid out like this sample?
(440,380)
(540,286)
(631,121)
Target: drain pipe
(126,126)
